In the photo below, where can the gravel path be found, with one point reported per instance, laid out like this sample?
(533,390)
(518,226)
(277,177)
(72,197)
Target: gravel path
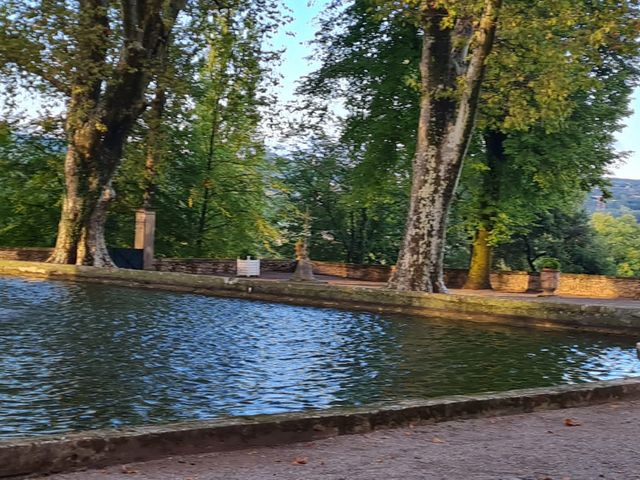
(598,442)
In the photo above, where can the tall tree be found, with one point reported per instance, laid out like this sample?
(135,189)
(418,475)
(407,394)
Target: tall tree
(547,121)
(206,165)
(101,57)
(457,39)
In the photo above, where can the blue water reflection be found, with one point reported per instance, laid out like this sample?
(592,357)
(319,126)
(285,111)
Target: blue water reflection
(80,356)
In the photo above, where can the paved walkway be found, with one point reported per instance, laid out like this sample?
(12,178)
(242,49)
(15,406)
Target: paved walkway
(598,442)
(326,279)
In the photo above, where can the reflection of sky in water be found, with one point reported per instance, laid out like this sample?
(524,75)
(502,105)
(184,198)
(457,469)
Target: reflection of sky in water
(76,356)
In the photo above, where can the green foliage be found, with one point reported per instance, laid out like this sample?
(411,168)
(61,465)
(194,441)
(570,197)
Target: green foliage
(347,224)
(212,181)
(621,237)
(556,89)
(30,187)
(203,149)
(548,262)
(565,235)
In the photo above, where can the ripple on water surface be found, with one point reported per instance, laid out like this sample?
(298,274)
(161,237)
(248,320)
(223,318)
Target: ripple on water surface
(81,356)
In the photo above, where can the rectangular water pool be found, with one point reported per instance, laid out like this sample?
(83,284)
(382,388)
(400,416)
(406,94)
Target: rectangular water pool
(85,356)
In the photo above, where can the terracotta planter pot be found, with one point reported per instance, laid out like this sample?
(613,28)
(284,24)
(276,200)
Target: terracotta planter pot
(549,279)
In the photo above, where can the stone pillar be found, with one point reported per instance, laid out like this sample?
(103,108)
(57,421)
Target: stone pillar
(146,235)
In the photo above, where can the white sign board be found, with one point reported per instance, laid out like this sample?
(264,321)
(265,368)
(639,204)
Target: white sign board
(248,268)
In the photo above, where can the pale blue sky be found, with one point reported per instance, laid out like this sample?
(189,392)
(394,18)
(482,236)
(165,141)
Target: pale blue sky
(294,66)
(629,141)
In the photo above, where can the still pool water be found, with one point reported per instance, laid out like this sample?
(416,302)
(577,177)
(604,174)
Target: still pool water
(82,356)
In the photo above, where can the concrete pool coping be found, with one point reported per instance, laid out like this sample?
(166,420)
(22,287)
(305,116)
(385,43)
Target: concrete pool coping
(101,448)
(583,316)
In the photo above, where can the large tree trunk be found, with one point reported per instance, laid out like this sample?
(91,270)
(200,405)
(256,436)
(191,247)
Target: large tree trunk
(84,209)
(480,265)
(452,67)
(101,112)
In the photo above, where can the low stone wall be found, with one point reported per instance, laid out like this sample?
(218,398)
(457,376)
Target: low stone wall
(599,286)
(116,447)
(595,286)
(207,266)
(593,316)
(369,273)
(25,254)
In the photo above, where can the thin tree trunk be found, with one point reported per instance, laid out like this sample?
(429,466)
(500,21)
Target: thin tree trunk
(480,264)
(153,146)
(206,194)
(447,115)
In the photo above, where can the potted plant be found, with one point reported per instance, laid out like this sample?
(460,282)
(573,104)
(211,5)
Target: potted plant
(549,275)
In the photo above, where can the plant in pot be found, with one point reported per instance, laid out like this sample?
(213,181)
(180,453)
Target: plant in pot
(549,275)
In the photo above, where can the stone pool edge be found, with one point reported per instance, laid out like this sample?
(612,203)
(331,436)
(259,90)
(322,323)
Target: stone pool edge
(101,448)
(548,314)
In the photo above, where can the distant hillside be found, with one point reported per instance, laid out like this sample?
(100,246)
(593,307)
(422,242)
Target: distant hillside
(625,198)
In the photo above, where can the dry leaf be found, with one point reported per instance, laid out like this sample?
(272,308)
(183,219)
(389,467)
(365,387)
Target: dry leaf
(570,422)
(128,471)
(437,440)
(300,461)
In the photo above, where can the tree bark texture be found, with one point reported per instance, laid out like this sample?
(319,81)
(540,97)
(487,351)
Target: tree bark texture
(479,277)
(452,67)
(104,103)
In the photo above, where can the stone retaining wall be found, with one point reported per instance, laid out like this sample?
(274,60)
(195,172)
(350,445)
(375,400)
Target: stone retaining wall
(599,286)
(116,447)
(592,316)
(25,254)
(206,266)
(595,286)
(369,273)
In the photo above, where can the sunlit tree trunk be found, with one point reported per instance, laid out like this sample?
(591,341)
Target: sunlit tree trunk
(479,276)
(452,67)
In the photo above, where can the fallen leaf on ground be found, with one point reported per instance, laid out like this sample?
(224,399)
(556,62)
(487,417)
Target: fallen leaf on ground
(570,422)
(437,440)
(300,461)
(128,471)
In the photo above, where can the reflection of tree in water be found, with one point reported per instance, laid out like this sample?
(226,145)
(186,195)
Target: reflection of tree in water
(88,356)
(442,357)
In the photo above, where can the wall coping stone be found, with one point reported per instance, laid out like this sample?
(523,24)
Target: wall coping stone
(587,317)
(100,448)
